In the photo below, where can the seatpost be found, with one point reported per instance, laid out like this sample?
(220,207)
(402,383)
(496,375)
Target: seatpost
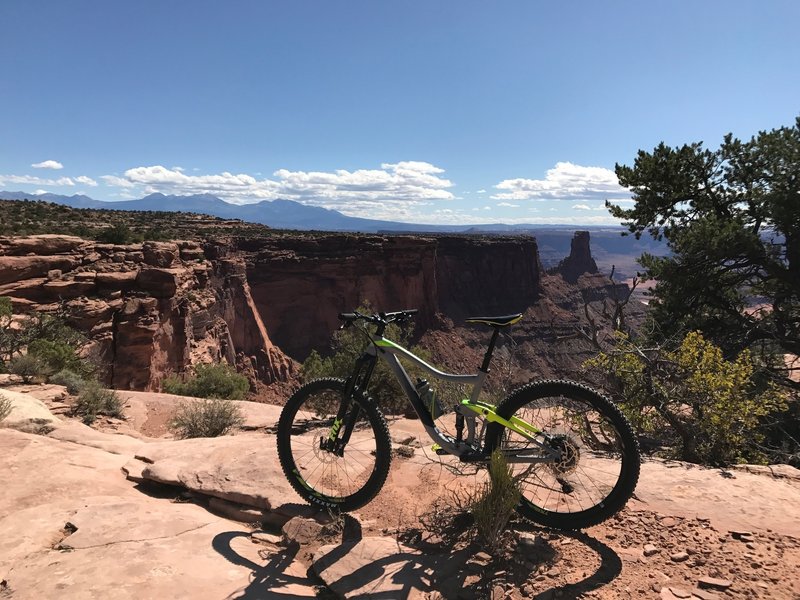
(488,356)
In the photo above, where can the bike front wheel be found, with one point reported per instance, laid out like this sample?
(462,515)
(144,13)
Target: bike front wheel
(598,464)
(343,478)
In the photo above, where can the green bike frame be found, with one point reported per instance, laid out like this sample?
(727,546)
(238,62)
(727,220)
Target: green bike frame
(469,408)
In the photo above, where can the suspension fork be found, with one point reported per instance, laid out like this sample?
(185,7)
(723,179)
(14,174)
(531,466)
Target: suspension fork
(346,417)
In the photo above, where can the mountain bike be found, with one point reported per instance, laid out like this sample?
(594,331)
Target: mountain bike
(571,450)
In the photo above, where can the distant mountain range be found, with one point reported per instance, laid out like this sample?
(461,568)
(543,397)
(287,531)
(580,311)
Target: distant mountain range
(608,245)
(280,214)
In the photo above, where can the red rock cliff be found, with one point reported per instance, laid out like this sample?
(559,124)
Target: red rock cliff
(300,283)
(148,309)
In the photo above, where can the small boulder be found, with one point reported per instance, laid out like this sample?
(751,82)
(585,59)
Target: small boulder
(650,550)
(302,531)
(714,583)
(28,413)
(160,254)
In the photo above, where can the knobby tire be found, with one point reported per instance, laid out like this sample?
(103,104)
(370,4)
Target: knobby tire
(603,470)
(321,478)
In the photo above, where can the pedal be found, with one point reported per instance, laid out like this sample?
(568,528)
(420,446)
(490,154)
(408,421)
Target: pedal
(439,450)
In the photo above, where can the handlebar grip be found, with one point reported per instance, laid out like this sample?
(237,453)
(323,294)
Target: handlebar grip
(348,316)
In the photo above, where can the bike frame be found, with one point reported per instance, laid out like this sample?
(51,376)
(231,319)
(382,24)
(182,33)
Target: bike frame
(469,408)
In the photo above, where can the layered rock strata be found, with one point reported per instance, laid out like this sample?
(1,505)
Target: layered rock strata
(148,309)
(301,283)
(158,307)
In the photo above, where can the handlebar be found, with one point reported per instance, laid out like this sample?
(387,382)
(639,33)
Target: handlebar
(379,318)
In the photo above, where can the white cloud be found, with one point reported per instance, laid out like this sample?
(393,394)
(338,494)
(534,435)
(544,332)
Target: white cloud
(565,181)
(508,205)
(115,181)
(389,192)
(33,180)
(481,192)
(86,180)
(48,164)
(581,207)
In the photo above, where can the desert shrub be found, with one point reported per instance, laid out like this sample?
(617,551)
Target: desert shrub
(69,379)
(93,400)
(495,502)
(119,233)
(718,408)
(57,355)
(16,336)
(209,381)
(205,418)
(5,407)
(26,366)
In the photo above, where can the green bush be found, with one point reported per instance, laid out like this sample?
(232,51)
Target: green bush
(209,381)
(69,379)
(118,233)
(717,407)
(27,366)
(496,502)
(56,355)
(94,400)
(5,407)
(205,418)
(34,330)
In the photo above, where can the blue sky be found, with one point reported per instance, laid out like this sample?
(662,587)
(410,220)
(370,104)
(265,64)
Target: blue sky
(444,111)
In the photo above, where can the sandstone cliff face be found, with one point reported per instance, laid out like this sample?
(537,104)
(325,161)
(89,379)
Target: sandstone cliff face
(155,308)
(148,309)
(301,283)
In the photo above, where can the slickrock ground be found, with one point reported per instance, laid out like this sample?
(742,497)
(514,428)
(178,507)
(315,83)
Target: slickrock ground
(215,518)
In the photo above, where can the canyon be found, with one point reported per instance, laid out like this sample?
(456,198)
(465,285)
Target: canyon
(263,303)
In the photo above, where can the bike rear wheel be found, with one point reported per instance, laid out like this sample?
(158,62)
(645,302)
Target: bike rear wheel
(343,481)
(599,464)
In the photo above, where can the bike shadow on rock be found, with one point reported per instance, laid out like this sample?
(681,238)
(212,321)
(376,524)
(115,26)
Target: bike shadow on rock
(607,571)
(269,581)
(419,566)
(283,576)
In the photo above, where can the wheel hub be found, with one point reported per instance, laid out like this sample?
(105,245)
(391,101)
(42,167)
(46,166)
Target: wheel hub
(570,455)
(324,451)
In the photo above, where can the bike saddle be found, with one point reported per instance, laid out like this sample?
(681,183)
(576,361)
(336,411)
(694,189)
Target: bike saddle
(504,321)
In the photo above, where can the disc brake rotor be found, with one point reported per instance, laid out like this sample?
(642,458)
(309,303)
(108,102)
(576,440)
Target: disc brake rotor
(570,455)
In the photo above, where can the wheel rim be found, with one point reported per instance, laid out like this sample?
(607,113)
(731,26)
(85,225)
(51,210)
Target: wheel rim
(591,449)
(320,471)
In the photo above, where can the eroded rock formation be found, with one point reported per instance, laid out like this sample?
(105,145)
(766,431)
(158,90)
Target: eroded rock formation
(300,283)
(148,309)
(580,259)
(158,307)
